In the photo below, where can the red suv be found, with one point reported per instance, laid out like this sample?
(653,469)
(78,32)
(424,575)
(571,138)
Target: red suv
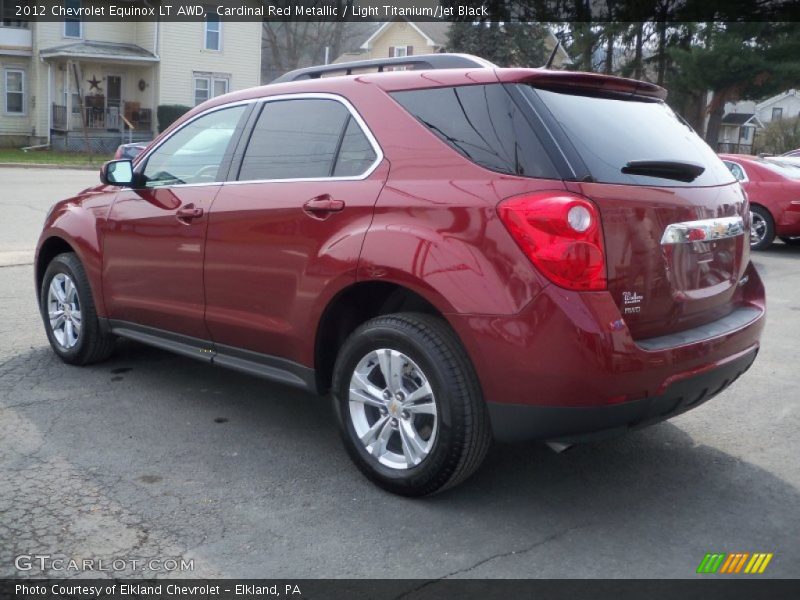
(456,251)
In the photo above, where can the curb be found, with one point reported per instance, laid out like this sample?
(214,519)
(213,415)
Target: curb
(46,166)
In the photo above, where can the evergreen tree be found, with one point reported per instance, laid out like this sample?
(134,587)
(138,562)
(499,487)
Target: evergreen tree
(505,44)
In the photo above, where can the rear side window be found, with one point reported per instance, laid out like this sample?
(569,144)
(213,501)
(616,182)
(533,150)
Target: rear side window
(306,138)
(483,123)
(608,133)
(355,154)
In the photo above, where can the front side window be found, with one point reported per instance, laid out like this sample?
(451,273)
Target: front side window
(73,27)
(15,91)
(195,152)
(213,32)
(306,139)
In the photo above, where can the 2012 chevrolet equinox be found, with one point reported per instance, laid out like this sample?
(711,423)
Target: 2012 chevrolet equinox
(456,251)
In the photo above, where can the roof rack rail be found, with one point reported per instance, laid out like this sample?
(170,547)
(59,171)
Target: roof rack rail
(418,62)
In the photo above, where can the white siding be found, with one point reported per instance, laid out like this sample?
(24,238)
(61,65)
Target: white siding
(16,124)
(399,34)
(789,103)
(182,54)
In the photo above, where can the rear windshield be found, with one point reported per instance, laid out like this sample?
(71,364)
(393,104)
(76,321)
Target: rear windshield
(608,133)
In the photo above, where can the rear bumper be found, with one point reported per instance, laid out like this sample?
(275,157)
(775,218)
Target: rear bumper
(514,422)
(567,365)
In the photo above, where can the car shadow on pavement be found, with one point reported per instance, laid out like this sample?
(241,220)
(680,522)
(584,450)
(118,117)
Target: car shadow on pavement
(152,454)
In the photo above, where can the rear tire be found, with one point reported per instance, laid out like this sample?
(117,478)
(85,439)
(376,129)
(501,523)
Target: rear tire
(68,311)
(762,228)
(409,405)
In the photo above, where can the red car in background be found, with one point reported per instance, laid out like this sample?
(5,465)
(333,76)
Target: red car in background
(773,189)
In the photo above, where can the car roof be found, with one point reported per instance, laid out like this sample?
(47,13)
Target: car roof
(432,78)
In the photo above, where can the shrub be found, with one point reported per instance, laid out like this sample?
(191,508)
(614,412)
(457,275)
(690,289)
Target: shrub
(169,113)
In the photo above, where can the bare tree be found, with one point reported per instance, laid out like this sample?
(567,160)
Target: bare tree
(288,45)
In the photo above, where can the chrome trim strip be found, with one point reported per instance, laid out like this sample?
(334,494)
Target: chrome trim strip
(263,100)
(706,230)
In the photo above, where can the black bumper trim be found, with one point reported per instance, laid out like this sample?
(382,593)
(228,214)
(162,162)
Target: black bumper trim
(515,422)
(739,318)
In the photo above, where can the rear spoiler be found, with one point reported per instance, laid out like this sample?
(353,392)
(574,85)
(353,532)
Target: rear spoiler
(583,83)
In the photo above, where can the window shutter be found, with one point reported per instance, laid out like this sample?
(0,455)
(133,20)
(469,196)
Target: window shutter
(409,50)
(391,51)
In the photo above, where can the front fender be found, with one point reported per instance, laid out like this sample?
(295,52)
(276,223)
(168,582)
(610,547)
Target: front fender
(76,222)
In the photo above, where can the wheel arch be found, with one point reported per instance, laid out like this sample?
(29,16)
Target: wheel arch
(48,250)
(353,306)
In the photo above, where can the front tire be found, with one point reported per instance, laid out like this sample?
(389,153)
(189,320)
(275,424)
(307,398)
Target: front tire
(762,228)
(409,404)
(68,311)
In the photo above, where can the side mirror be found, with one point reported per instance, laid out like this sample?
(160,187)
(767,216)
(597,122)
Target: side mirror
(117,172)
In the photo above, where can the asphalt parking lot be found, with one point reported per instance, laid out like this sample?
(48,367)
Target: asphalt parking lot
(151,455)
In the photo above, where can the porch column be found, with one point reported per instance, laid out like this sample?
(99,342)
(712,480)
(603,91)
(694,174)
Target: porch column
(68,89)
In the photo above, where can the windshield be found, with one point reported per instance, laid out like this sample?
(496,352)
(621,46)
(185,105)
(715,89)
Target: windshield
(609,133)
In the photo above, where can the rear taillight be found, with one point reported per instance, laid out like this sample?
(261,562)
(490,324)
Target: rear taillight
(561,234)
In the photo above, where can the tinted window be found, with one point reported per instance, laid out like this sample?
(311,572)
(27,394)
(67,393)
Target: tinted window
(194,153)
(484,124)
(608,133)
(355,154)
(295,139)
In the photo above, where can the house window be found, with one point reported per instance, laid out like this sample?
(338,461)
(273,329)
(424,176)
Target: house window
(220,87)
(15,91)
(8,15)
(213,33)
(208,86)
(745,133)
(777,114)
(201,90)
(73,27)
(399,52)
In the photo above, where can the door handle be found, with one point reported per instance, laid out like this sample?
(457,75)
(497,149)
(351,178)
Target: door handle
(189,212)
(322,206)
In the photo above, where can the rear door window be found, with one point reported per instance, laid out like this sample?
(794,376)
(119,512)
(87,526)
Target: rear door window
(483,123)
(608,133)
(306,138)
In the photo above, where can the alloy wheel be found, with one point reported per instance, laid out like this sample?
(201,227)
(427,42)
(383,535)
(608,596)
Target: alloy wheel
(393,409)
(64,310)
(758,228)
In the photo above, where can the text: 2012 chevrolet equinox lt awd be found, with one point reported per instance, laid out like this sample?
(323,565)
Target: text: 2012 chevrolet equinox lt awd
(457,252)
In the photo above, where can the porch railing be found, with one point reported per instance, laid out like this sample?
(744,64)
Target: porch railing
(102,118)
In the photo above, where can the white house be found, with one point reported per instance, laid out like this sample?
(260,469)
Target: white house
(742,119)
(57,78)
(405,38)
